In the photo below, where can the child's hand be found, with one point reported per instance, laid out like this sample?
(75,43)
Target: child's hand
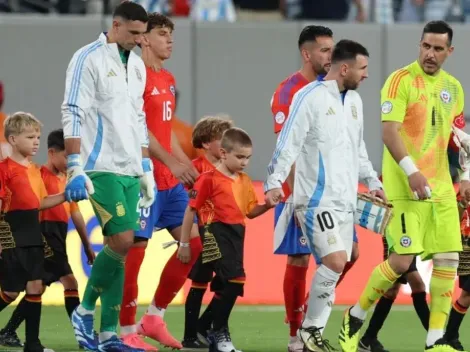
(184,253)
(90,254)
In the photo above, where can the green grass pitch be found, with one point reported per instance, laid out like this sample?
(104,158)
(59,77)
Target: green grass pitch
(253,328)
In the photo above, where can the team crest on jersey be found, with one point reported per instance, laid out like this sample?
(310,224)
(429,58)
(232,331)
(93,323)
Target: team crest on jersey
(172,90)
(303,241)
(137,73)
(405,241)
(445,96)
(354,111)
(280,118)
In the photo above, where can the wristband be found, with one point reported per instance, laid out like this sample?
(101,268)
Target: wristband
(465,176)
(184,244)
(74,160)
(408,166)
(146,164)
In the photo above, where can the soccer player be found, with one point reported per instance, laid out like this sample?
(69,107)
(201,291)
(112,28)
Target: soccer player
(104,126)
(324,137)
(420,104)
(172,169)
(54,226)
(369,342)
(22,196)
(315,44)
(461,305)
(222,199)
(207,135)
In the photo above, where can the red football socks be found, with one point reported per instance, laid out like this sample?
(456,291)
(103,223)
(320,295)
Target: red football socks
(294,295)
(174,275)
(134,260)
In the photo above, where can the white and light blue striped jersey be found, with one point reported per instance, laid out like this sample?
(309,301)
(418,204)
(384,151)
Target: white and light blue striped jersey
(160,6)
(324,137)
(213,11)
(103,106)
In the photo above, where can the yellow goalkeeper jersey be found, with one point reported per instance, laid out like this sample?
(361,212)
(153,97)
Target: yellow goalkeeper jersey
(427,106)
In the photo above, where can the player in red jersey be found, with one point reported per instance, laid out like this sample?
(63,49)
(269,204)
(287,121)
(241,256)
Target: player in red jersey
(315,45)
(172,169)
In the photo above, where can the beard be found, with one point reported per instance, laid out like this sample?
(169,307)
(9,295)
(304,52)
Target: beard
(319,69)
(350,85)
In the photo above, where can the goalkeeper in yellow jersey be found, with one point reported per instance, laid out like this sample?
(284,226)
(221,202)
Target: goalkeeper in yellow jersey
(420,105)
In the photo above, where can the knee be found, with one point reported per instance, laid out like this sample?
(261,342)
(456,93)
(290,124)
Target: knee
(416,282)
(449,260)
(35,287)
(69,282)
(335,261)
(298,260)
(400,263)
(392,292)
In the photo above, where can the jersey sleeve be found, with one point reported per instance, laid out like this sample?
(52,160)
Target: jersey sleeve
(42,188)
(3,181)
(143,132)
(458,122)
(394,96)
(252,199)
(280,103)
(79,93)
(201,191)
(291,139)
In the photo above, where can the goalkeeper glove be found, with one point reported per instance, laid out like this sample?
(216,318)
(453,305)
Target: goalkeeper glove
(148,187)
(79,185)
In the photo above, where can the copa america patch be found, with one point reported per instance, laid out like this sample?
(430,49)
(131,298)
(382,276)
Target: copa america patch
(387,107)
(172,90)
(372,213)
(280,118)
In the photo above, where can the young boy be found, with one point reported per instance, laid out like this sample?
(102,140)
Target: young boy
(222,198)
(54,226)
(22,196)
(461,305)
(207,135)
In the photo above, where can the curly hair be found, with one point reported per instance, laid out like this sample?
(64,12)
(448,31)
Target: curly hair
(208,129)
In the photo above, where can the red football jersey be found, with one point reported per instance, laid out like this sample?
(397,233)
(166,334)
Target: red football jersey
(159,105)
(203,165)
(280,104)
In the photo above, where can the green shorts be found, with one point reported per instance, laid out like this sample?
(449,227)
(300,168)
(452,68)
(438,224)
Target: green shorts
(424,228)
(115,202)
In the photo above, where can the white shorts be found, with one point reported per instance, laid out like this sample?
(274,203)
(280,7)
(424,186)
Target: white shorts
(327,230)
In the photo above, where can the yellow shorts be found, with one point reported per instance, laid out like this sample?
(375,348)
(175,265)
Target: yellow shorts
(424,228)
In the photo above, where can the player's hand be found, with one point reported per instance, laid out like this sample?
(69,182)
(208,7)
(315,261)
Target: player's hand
(419,186)
(79,185)
(273,196)
(185,174)
(184,254)
(379,193)
(90,254)
(148,188)
(465,191)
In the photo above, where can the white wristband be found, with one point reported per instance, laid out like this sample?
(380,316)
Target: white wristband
(465,176)
(408,166)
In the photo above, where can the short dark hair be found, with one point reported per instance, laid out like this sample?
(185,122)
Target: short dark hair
(130,11)
(347,50)
(311,33)
(55,140)
(235,136)
(157,20)
(439,27)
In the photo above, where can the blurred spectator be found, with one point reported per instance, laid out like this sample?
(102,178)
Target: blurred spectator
(213,10)
(424,10)
(259,10)
(323,10)
(5,149)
